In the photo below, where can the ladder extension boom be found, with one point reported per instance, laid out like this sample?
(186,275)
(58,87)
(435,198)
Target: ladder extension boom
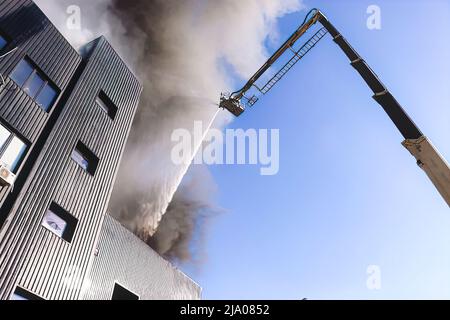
(288,44)
(428,158)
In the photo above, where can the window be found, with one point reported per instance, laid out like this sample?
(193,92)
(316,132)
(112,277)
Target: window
(106,104)
(22,294)
(3,42)
(12,149)
(85,158)
(35,84)
(120,293)
(60,222)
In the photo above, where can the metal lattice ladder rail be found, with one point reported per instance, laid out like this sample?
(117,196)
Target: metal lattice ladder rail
(298,55)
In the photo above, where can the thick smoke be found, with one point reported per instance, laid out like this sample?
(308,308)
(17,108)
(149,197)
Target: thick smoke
(182,230)
(182,52)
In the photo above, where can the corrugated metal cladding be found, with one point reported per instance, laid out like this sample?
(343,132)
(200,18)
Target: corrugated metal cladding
(31,256)
(30,31)
(124,259)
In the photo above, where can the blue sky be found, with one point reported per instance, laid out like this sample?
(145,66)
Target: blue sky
(347,195)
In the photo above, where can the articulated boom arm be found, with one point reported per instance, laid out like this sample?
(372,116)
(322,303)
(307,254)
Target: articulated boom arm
(288,44)
(428,158)
(232,102)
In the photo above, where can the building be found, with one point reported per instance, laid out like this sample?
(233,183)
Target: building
(64,121)
(123,261)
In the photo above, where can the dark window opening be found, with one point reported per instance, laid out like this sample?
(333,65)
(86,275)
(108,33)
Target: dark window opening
(35,84)
(60,222)
(22,294)
(85,158)
(12,149)
(106,104)
(3,42)
(120,293)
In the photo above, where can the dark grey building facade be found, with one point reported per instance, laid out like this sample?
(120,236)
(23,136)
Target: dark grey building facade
(123,260)
(64,121)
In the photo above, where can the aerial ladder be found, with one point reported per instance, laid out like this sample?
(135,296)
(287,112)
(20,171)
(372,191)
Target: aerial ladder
(428,158)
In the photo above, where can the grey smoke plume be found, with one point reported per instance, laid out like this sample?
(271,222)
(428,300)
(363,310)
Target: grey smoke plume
(182,230)
(181,50)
